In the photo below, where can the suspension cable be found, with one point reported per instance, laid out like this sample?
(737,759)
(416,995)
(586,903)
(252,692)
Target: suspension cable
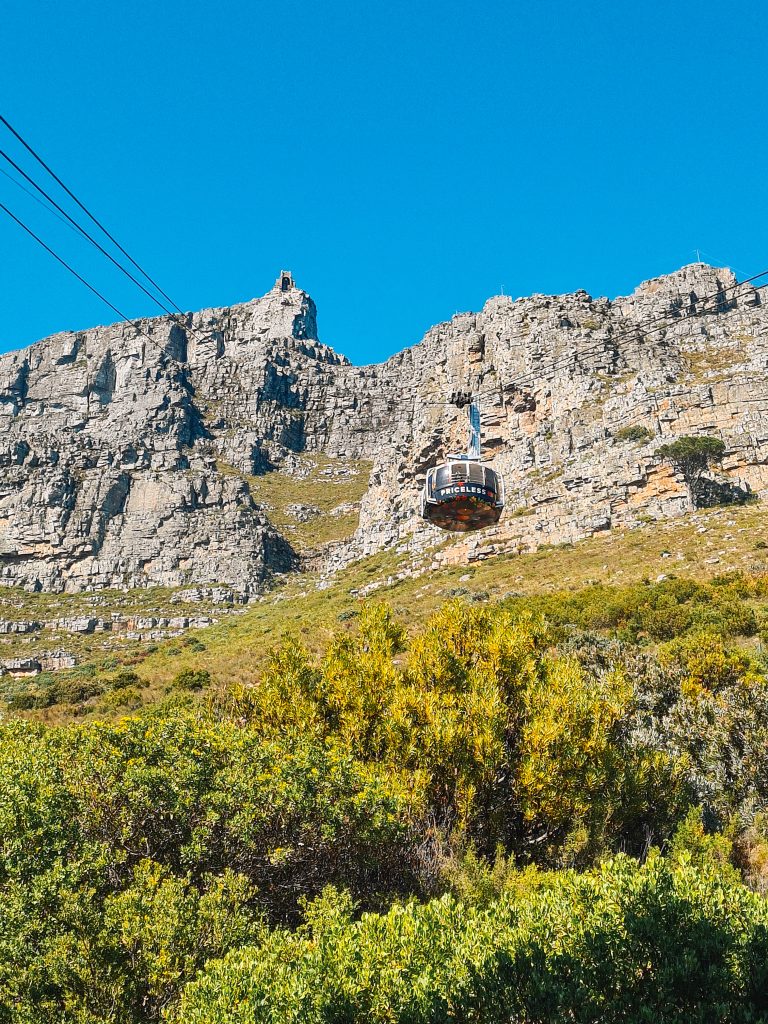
(88,213)
(80,278)
(84,233)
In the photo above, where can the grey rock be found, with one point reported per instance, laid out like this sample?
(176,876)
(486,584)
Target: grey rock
(8,627)
(84,625)
(54,661)
(214,595)
(22,666)
(303,513)
(126,453)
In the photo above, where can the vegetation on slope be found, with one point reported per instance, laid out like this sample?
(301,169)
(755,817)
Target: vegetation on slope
(668,942)
(460,823)
(315,504)
(117,673)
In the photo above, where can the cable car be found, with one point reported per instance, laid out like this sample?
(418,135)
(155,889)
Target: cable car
(462,493)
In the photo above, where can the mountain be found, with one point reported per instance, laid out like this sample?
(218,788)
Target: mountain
(218,803)
(230,445)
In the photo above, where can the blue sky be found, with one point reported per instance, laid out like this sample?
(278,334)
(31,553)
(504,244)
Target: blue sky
(405,160)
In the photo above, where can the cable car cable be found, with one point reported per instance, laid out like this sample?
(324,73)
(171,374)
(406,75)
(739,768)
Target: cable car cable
(88,213)
(64,263)
(54,206)
(37,199)
(85,234)
(71,223)
(531,374)
(80,278)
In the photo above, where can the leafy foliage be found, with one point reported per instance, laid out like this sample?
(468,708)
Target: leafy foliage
(635,433)
(392,831)
(668,942)
(655,611)
(692,456)
(191,679)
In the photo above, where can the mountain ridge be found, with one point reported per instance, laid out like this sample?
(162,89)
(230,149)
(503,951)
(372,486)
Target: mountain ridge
(127,464)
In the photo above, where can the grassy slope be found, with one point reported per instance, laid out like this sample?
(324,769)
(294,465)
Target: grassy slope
(325,484)
(17,605)
(700,546)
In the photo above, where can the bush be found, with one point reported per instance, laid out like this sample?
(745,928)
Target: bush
(655,611)
(131,854)
(122,679)
(668,942)
(635,433)
(124,698)
(191,679)
(494,745)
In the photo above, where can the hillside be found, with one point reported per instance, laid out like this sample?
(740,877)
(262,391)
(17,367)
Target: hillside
(157,479)
(497,812)
(273,751)
(156,634)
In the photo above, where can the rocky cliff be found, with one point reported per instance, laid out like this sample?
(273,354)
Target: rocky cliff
(130,454)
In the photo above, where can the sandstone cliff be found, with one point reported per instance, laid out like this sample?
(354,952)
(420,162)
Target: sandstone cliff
(127,452)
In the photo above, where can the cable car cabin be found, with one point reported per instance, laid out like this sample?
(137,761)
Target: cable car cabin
(462,494)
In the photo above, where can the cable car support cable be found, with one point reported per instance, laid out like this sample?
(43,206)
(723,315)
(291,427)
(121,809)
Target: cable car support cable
(87,212)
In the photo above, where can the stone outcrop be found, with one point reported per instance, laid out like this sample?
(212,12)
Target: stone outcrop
(561,378)
(127,450)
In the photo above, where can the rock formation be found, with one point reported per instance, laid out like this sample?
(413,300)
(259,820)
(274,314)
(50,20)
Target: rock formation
(127,450)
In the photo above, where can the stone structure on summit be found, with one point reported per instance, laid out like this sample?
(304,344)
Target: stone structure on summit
(126,453)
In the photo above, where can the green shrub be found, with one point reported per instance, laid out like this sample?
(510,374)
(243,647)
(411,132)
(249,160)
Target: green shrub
(193,643)
(123,678)
(124,698)
(23,700)
(635,433)
(655,611)
(664,943)
(191,679)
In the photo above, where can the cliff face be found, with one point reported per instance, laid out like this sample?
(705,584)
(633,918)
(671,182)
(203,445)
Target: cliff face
(126,453)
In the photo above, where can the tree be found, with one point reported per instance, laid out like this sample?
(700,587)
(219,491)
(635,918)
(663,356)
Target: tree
(692,456)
